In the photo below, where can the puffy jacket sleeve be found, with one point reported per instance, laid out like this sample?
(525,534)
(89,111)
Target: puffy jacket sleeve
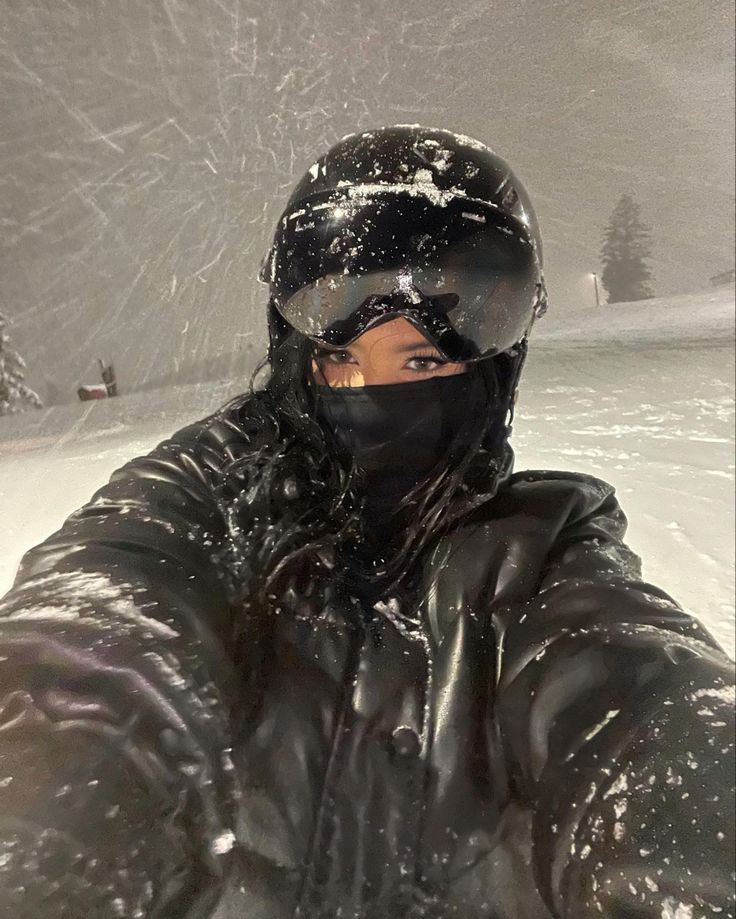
(616,709)
(116,677)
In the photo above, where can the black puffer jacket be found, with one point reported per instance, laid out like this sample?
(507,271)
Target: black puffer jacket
(543,734)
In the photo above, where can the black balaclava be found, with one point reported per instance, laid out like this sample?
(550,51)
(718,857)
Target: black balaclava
(396,434)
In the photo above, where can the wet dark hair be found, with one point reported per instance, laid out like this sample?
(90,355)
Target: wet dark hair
(297,529)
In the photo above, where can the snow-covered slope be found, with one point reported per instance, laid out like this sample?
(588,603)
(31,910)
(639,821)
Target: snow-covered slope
(643,400)
(691,317)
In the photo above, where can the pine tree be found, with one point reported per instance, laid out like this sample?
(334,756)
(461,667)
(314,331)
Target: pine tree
(626,248)
(15,396)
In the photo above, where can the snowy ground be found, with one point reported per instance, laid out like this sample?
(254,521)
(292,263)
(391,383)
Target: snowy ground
(640,395)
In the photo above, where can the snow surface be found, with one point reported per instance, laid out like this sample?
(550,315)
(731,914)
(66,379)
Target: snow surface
(690,318)
(638,394)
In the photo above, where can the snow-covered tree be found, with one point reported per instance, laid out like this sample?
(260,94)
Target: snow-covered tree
(626,248)
(15,396)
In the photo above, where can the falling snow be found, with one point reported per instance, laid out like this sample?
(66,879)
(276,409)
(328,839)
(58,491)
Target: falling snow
(148,154)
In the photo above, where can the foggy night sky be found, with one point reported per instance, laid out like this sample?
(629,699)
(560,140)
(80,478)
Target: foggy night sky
(148,146)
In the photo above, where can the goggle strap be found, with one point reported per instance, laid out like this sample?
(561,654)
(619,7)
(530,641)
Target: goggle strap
(521,349)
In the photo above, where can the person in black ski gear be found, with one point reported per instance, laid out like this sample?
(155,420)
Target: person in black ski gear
(325,654)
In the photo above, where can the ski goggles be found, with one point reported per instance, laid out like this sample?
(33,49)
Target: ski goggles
(467,275)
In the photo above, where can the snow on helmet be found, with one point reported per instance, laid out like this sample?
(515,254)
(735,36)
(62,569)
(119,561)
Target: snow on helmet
(408,221)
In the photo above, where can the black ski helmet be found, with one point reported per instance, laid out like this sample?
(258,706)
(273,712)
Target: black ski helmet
(441,204)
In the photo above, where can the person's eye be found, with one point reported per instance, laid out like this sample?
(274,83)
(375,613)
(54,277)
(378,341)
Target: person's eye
(334,357)
(424,363)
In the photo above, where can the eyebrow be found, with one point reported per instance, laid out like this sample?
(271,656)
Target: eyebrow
(417,346)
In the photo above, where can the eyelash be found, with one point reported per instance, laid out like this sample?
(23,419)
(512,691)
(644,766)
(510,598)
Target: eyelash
(431,356)
(324,354)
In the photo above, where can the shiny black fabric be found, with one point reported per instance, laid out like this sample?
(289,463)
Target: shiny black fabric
(539,734)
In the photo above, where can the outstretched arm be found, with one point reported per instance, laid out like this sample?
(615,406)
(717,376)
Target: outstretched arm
(116,786)
(617,714)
